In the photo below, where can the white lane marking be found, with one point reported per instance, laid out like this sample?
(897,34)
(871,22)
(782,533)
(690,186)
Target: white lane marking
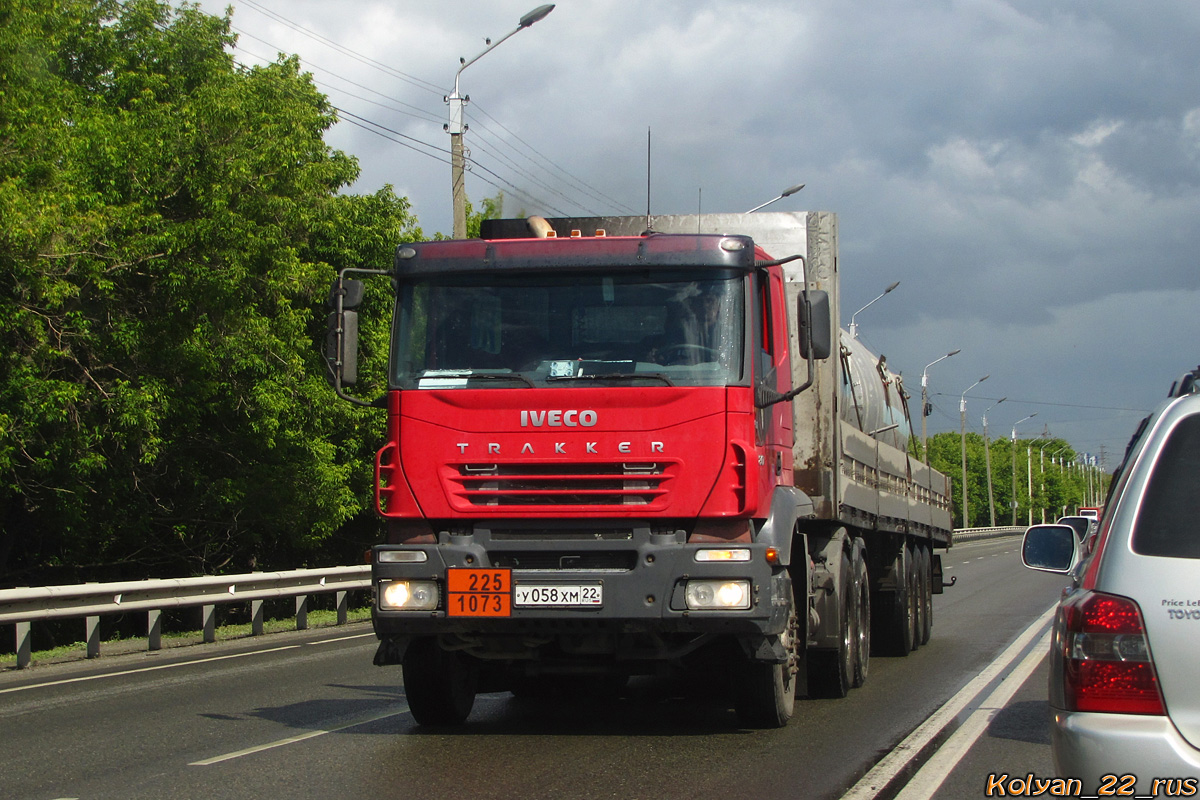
(154,668)
(897,760)
(157,667)
(392,712)
(342,639)
(931,775)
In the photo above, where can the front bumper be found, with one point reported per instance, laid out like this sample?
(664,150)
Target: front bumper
(643,576)
(1090,746)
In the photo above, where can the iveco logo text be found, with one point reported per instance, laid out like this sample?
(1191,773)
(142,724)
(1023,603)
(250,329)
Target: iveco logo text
(558,419)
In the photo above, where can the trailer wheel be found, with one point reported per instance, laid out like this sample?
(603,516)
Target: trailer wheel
(764,695)
(926,568)
(918,595)
(895,624)
(831,672)
(439,684)
(862,586)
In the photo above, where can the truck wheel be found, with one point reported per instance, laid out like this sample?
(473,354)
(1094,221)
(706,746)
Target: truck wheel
(862,650)
(831,672)
(895,623)
(764,695)
(926,595)
(439,684)
(917,591)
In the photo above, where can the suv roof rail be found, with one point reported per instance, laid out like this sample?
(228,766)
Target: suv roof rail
(1185,385)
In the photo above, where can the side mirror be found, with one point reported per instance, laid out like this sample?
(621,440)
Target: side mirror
(1050,548)
(352,292)
(341,348)
(815,325)
(341,332)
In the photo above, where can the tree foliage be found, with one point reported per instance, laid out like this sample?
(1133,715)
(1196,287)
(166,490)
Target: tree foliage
(170,225)
(1042,472)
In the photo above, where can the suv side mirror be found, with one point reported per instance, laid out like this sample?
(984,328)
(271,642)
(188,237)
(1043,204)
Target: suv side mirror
(815,325)
(1050,548)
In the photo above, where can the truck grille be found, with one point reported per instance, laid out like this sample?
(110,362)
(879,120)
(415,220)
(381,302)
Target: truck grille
(590,485)
(589,560)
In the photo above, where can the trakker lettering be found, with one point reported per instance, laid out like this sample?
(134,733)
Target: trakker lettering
(558,419)
(560,448)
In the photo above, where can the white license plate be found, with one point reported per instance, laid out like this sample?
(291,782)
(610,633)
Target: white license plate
(591,594)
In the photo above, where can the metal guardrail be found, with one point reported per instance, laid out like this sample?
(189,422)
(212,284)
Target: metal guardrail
(23,606)
(970,534)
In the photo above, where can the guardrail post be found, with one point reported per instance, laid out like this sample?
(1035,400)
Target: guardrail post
(154,629)
(343,607)
(209,614)
(93,637)
(256,617)
(302,612)
(24,651)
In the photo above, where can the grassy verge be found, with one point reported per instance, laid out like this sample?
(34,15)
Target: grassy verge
(114,646)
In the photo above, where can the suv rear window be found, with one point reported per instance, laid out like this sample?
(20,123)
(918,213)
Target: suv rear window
(1168,523)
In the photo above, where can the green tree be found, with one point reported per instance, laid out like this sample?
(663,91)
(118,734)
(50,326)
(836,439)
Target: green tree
(171,222)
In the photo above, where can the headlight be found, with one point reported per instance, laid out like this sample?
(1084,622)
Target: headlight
(732,595)
(408,595)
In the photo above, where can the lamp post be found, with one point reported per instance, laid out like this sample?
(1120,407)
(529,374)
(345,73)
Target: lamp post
(1053,454)
(1014,465)
(987,455)
(962,413)
(791,190)
(456,127)
(853,327)
(925,400)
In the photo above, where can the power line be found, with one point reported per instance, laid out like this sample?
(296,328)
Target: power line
(543,160)
(346,51)
(576,184)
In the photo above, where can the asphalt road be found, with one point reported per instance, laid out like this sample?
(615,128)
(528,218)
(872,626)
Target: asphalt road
(306,715)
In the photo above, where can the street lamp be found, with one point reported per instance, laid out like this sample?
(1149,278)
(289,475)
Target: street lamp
(962,413)
(925,399)
(456,127)
(1014,465)
(786,193)
(853,327)
(987,454)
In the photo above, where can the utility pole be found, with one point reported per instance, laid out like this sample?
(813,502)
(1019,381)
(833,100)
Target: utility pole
(962,413)
(1014,466)
(987,454)
(456,128)
(925,401)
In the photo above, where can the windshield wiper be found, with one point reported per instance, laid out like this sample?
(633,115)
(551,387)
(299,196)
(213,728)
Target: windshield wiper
(613,376)
(500,376)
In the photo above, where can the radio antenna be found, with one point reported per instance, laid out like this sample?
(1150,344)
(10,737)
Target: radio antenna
(648,226)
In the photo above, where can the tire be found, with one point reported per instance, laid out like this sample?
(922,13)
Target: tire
(439,685)
(831,672)
(862,586)
(764,695)
(916,594)
(894,625)
(926,594)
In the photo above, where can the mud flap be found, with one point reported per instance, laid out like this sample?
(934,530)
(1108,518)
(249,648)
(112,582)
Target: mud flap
(391,651)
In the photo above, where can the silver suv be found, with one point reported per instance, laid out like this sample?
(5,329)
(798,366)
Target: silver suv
(1125,660)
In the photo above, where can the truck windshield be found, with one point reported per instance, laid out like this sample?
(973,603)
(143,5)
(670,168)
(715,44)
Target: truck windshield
(648,327)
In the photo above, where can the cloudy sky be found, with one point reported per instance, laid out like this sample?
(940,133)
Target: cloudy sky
(1028,170)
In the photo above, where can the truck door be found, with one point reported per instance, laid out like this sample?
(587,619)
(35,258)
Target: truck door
(772,371)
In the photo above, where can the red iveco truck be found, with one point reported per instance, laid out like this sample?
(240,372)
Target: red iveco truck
(634,445)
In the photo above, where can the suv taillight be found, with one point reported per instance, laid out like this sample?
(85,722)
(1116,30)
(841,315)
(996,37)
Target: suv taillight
(1107,659)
